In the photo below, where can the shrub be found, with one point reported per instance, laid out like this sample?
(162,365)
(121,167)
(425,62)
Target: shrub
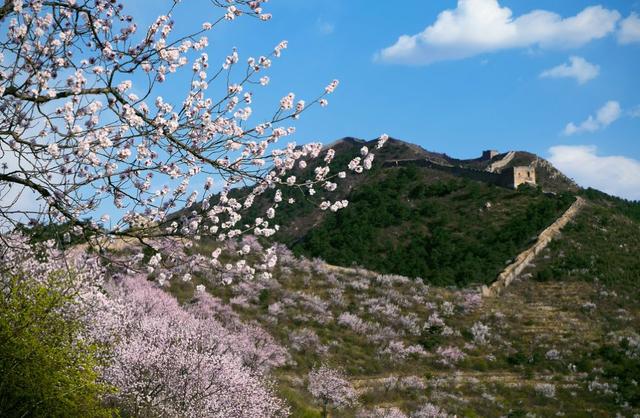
(517,359)
(46,369)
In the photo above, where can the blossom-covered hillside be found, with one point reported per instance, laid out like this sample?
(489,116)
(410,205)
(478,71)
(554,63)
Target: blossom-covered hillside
(560,344)
(309,339)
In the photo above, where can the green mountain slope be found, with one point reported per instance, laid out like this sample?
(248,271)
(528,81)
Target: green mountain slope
(423,223)
(447,226)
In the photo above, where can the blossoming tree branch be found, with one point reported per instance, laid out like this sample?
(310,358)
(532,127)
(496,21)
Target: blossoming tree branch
(83,128)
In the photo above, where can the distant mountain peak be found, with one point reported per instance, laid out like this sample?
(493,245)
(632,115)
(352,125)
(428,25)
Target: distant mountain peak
(397,150)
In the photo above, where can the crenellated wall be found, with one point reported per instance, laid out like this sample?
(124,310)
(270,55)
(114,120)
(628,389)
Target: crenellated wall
(514,269)
(504,179)
(500,164)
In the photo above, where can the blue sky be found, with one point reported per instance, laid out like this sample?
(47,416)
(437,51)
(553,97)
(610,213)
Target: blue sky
(471,80)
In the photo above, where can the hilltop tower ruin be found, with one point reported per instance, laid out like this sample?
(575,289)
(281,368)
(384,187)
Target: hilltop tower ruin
(523,175)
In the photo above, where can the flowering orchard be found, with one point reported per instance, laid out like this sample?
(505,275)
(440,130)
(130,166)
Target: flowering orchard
(78,136)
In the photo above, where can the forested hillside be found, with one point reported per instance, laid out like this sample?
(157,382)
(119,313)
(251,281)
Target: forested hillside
(417,221)
(422,223)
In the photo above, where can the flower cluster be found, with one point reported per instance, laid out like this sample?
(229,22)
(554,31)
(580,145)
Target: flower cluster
(547,390)
(450,355)
(480,333)
(178,362)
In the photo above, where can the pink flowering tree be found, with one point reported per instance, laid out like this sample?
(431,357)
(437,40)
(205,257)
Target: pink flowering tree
(165,360)
(331,388)
(156,357)
(87,137)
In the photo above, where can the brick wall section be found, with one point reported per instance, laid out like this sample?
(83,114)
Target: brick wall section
(512,271)
(504,179)
(501,163)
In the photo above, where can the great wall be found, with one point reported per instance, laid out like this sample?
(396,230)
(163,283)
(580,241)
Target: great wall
(523,260)
(500,164)
(496,173)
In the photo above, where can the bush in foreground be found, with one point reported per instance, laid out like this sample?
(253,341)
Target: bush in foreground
(46,369)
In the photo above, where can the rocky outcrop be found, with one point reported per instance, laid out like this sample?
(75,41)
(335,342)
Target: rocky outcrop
(552,177)
(512,271)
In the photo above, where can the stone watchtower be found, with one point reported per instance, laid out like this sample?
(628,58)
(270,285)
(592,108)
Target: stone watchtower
(489,154)
(523,175)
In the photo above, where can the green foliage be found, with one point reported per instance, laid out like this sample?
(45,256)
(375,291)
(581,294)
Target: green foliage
(544,275)
(264,297)
(45,369)
(404,222)
(431,338)
(301,406)
(517,359)
(624,368)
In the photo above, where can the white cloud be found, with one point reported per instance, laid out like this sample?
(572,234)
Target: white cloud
(616,175)
(635,112)
(480,26)
(578,68)
(629,29)
(604,117)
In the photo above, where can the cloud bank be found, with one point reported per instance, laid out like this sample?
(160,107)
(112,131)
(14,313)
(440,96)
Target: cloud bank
(615,175)
(481,26)
(629,29)
(604,117)
(578,68)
